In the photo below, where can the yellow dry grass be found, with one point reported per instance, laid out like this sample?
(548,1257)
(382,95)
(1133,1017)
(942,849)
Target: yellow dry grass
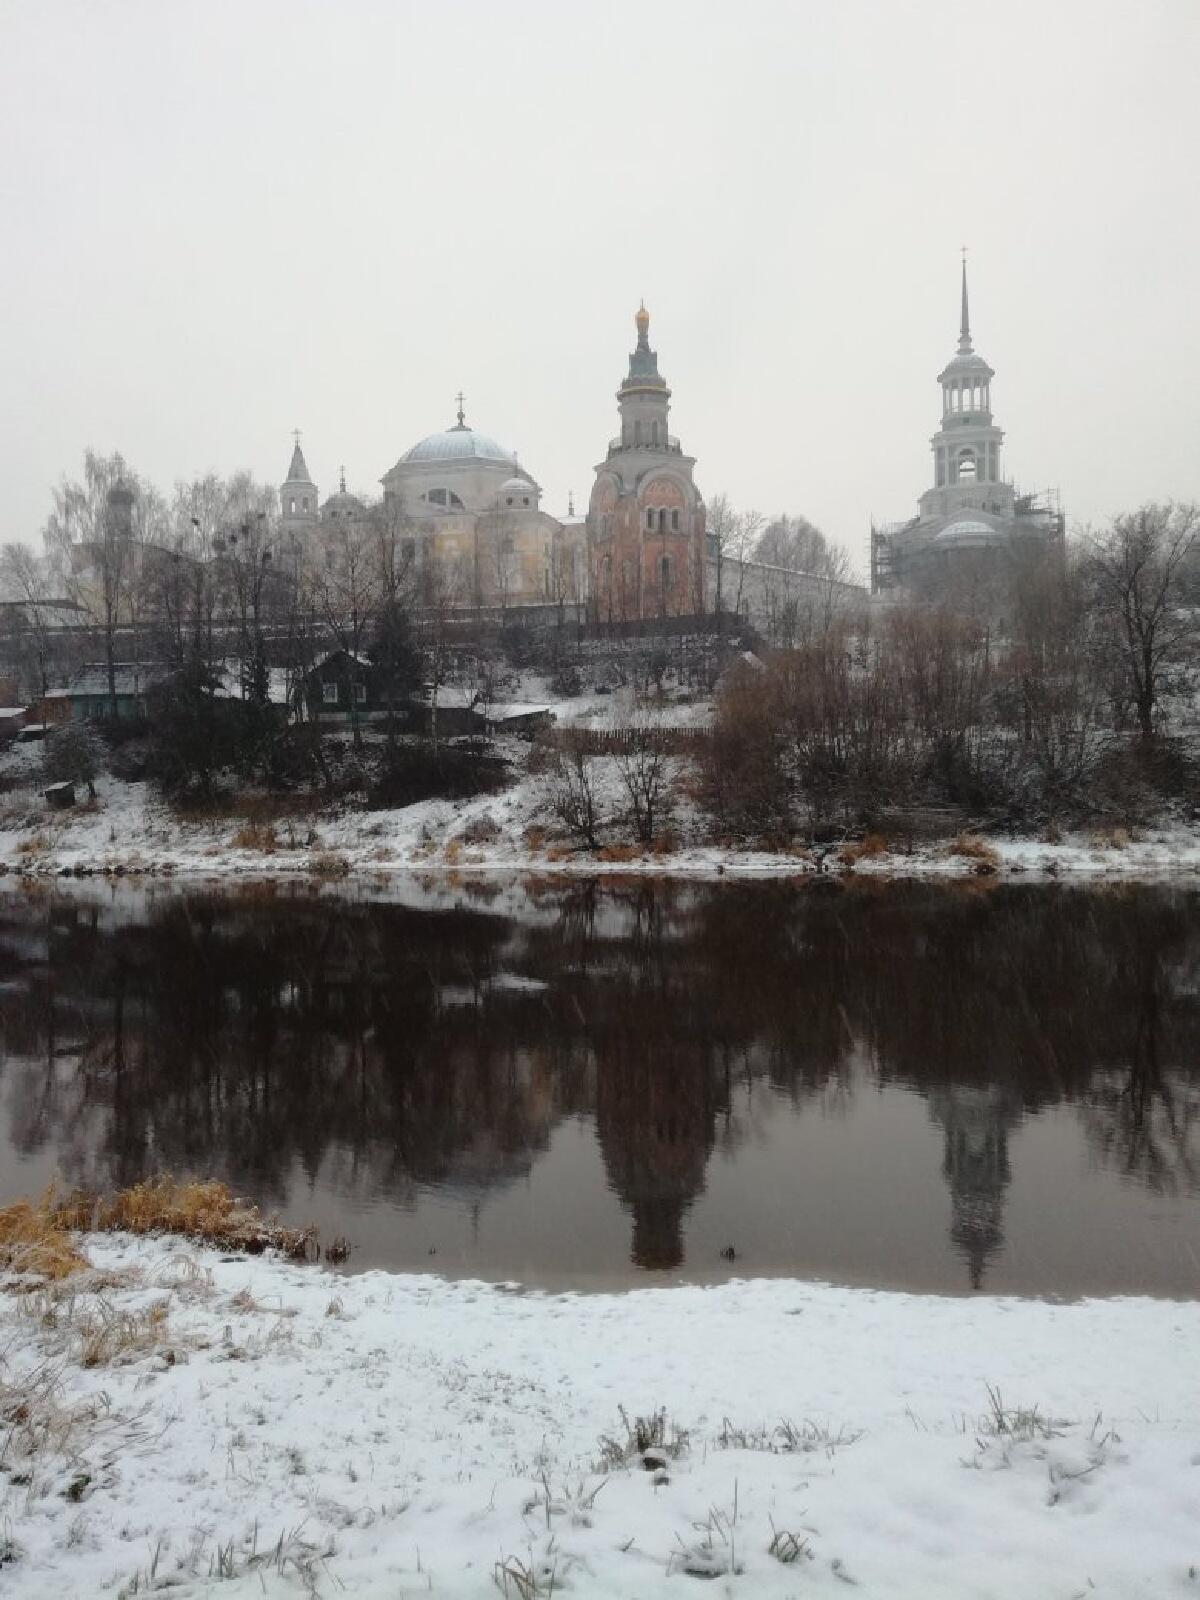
(37,1237)
(619,853)
(865,849)
(972,848)
(204,1211)
(35,1240)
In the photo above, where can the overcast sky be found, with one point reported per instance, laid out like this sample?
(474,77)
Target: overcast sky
(226,221)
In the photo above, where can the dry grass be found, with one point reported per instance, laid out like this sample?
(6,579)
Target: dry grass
(1113,838)
(535,837)
(35,1240)
(108,1337)
(972,848)
(453,851)
(329,865)
(867,848)
(260,836)
(619,853)
(204,1211)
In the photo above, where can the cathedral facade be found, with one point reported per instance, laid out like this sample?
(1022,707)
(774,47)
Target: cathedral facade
(469,517)
(972,528)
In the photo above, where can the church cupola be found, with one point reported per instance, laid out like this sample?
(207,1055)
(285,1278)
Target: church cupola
(298,495)
(643,398)
(966,447)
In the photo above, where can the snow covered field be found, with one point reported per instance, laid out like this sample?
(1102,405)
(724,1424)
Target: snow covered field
(284,1430)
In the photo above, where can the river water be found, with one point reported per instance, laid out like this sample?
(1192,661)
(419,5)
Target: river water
(591,1084)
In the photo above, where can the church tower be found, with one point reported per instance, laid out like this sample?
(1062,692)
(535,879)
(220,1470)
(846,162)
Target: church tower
(298,496)
(966,448)
(645,521)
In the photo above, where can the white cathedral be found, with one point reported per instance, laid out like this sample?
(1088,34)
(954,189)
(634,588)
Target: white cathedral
(464,507)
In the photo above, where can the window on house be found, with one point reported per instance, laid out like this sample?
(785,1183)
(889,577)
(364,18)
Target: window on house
(360,694)
(329,694)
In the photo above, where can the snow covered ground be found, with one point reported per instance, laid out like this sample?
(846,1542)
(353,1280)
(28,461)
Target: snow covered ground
(278,1430)
(129,829)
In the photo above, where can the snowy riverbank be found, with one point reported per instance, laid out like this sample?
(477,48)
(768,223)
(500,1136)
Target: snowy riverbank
(129,830)
(277,1426)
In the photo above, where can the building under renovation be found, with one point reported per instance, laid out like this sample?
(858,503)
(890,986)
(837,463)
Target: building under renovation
(973,528)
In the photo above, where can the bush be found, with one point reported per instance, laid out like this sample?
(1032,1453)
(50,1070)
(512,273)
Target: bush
(71,754)
(418,770)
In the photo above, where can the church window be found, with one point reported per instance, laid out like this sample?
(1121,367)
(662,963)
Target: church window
(666,572)
(650,518)
(966,467)
(306,505)
(292,506)
(662,521)
(674,522)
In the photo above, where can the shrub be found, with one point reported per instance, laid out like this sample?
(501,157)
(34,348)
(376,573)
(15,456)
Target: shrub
(416,770)
(71,754)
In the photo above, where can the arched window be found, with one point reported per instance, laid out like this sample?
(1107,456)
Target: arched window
(306,504)
(662,521)
(650,518)
(292,506)
(436,497)
(666,571)
(675,522)
(966,466)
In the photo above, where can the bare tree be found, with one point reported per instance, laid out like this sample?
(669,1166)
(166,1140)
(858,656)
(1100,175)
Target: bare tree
(29,580)
(645,771)
(94,536)
(572,795)
(1140,568)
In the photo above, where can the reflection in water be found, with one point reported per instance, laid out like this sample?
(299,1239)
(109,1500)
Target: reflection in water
(327,1053)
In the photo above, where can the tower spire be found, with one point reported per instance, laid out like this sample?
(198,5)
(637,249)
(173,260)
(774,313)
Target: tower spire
(964,326)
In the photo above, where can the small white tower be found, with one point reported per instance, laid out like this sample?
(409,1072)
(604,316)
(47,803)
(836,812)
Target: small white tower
(966,448)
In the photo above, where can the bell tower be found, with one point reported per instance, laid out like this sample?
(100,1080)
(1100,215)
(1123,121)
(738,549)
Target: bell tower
(966,447)
(298,495)
(643,398)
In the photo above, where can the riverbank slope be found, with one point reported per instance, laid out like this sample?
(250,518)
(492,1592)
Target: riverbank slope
(196,1422)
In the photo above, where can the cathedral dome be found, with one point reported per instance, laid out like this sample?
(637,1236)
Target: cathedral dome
(965,531)
(458,444)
